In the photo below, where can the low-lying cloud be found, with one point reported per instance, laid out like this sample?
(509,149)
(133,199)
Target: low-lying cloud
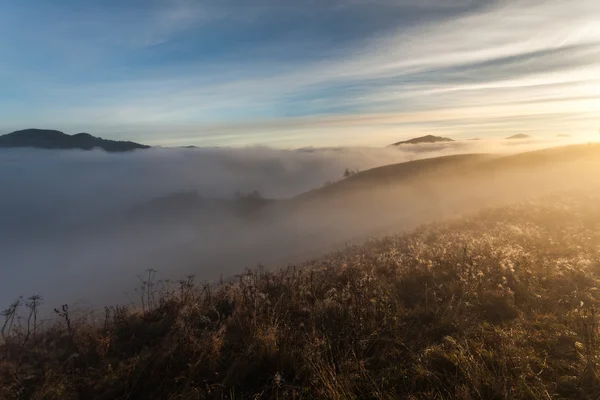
(48,195)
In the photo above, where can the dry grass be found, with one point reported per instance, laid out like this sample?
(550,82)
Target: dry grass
(499,306)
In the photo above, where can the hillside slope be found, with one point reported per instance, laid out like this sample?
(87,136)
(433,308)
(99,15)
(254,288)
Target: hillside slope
(398,173)
(462,165)
(498,305)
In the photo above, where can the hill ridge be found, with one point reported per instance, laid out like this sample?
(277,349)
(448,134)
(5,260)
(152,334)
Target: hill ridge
(424,139)
(51,139)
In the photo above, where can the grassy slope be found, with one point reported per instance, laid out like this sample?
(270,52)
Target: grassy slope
(501,305)
(474,165)
(397,173)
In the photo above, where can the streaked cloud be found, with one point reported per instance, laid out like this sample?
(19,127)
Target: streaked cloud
(301,73)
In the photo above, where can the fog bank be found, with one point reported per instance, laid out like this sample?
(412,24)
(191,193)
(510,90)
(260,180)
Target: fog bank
(53,202)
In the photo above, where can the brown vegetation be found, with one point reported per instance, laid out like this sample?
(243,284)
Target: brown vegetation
(502,305)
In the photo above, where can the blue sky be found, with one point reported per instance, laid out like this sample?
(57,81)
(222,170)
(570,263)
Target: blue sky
(300,73)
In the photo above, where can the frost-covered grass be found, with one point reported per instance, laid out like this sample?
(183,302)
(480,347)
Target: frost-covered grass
(502,305)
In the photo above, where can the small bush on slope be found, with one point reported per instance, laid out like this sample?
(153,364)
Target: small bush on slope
(498,306)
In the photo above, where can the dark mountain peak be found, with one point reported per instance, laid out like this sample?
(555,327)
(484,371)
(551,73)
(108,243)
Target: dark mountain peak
(519,136)
(425,139)
(37,133)
(83,135)
(52,139)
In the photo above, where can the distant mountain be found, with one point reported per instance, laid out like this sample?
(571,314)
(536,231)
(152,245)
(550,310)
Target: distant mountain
(563,135)
(519,136)
(51,139)
(424,139)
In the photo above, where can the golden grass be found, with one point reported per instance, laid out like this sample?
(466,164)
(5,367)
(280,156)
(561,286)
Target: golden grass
(502,305)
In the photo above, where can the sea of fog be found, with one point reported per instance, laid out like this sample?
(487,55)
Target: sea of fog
(51,201)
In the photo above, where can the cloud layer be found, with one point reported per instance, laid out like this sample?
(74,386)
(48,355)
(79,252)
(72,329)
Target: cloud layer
(64,232)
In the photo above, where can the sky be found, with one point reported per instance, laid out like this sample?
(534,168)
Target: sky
(300,73)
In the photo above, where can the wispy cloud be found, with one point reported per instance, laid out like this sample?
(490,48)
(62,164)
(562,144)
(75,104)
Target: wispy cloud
(269,72)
